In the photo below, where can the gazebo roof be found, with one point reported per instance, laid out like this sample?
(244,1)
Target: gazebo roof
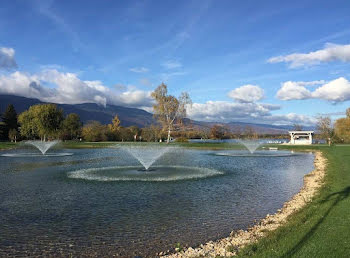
(301,132)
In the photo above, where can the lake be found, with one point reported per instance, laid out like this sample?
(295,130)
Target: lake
(45,210)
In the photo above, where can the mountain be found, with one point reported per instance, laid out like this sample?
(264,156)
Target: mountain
(87,111)
(132,116)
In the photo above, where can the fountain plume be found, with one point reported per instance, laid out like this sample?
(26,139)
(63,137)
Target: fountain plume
(147,155)
(43,147)
(251,145)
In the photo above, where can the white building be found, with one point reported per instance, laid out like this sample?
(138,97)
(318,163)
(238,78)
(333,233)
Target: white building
(301,137)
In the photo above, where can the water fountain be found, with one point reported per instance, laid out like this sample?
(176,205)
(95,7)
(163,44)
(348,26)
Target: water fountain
(42,146)
(251,145)
(147,155)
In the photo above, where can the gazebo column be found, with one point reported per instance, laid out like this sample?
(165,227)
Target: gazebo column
(310,138)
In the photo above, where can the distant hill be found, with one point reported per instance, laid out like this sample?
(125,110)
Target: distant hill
(87,111)
(131,116)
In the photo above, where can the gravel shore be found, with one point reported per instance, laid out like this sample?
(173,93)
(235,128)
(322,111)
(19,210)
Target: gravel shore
(238,239)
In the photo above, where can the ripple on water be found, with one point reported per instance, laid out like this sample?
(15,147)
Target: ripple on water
(30,155)
(133,173)
(256,154)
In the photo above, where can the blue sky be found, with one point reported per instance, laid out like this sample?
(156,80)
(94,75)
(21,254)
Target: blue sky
(116,52)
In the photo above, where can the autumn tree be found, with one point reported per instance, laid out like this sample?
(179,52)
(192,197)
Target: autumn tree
(114,127)
(43,120)
(94,131)
(28,125)
(71,126)
(169,109)
(151,134)
(342,129)
(217,132)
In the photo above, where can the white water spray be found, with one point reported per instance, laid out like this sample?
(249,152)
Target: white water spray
(147,155)
(251,145)
(43,147)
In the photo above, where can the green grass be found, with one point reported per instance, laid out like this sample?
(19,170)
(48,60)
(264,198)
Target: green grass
(322,228)
(7,145)
(87,145)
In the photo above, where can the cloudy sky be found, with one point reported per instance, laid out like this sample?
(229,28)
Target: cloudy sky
(276,62)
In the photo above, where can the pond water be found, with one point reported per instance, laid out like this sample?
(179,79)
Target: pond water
(57,205)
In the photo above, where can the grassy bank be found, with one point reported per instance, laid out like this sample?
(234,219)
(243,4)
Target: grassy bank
(321,229)
(7,145)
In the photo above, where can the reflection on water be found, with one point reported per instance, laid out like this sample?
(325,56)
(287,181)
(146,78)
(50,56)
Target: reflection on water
(45,212)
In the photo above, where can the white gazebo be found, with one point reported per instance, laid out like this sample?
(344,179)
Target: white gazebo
(301,137)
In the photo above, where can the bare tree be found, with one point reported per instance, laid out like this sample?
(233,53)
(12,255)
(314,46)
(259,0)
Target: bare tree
(324,127)
(347,112)
(297,127)
(168,109)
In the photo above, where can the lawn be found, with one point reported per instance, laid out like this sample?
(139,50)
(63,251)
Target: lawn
(322,228)
(7,145)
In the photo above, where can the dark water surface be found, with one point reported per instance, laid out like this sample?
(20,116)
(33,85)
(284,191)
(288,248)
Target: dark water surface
(46,211)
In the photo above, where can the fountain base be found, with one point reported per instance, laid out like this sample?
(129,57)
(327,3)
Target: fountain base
(131,173)
(147,170)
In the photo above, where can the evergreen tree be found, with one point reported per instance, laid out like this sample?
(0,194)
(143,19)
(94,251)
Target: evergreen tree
(9,119)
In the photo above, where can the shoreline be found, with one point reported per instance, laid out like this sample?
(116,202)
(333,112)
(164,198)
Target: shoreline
(229,246)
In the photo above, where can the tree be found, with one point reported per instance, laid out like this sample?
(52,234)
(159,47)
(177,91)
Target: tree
(324,127)
(151,134)
(250,132)
(297,127)
(342,129)
(94,131)
(9,118)
(114,127)
(28,125)
(43,120)
(168,109)
(347,112)
(13,135)
(217,132)
(71,126)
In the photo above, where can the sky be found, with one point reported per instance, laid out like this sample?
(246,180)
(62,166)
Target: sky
(274,62)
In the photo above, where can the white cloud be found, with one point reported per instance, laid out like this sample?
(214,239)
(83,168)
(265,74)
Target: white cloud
(331,52)
(293,90)
(224,111)
(337,90)
(172,64)
(139,69)
(247,93)
(7,58)
(54,86)
(227,111)
(290,119)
